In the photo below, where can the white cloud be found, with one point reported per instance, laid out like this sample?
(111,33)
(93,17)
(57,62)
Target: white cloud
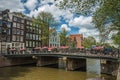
(81,22)
(65,26)
(89,32)
(31,4)
(55,11)
(13,5)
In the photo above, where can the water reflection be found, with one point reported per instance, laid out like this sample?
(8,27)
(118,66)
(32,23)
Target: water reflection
(42,73)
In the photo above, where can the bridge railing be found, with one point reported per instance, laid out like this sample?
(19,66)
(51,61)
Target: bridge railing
(82,52)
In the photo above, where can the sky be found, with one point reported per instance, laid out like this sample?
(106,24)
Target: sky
(74,24)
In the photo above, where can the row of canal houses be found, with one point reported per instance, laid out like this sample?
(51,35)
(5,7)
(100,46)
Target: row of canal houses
(17,31)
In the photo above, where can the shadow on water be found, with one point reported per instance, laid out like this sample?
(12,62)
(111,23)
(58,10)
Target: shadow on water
(8,73)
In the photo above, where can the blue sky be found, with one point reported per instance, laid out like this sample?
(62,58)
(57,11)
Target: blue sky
(74,24)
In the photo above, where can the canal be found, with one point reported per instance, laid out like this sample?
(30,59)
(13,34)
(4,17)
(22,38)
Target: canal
(45,73)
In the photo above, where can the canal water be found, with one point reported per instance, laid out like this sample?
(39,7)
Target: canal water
(45,73)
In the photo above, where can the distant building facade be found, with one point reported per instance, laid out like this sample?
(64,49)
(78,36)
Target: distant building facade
(77,39)
(54,38)
(18,31)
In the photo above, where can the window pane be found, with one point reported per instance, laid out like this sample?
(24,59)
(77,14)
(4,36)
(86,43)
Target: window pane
(27,36)
(22,32)
(18,25)
(18,31)
(15,19)
(13,31)
(21,38)
(22,26)
(18,38)
(0,22)
(13,38)
(14,24)
(8,38)
(9,24)
(26,43)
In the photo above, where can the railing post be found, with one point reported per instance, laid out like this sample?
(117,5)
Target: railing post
(118,53)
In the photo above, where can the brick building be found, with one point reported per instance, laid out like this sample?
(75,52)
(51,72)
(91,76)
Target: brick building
(77,39)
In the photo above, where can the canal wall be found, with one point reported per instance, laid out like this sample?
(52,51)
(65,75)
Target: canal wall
(109,67)
(11,61)
(118,72)
(4,62)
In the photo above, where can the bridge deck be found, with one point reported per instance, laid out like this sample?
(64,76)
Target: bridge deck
(69,55)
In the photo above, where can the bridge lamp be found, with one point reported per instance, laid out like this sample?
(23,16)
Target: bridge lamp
(34,57)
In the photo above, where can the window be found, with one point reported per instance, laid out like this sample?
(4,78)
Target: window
(17,38)
(27,36)
(13,31)
(22,32)
(21,38)
(0,22)
(9,24)
(18,31)
(15,18)
(22,26)
(9,31)
(33,36)
(30,44)
(37,44)
(19,19)
(33,44)
(30,29)
(37,38)
(14,24)
(39,31)
(13,38)
(30,37)
(33,30)
(26,43)
(28,22)
(4,24)
(0,29)
(31,23)
(22,20)
(18,25)
(8,38)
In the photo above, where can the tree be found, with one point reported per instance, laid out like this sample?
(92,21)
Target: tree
(45,20)
(19,13)
(107,14)
(116,39)
(63,37)
(88,42)
(104,12)
(84,7)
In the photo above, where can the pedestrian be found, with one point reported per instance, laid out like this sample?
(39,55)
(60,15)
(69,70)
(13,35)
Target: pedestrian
(8,50)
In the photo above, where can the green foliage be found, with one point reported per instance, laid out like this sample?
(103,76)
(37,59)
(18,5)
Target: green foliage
(108,13)
(103,11)
(116,39)
(73,44)
(45,20)
(88,42)
(79,6)
(19,13)
(63,38)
